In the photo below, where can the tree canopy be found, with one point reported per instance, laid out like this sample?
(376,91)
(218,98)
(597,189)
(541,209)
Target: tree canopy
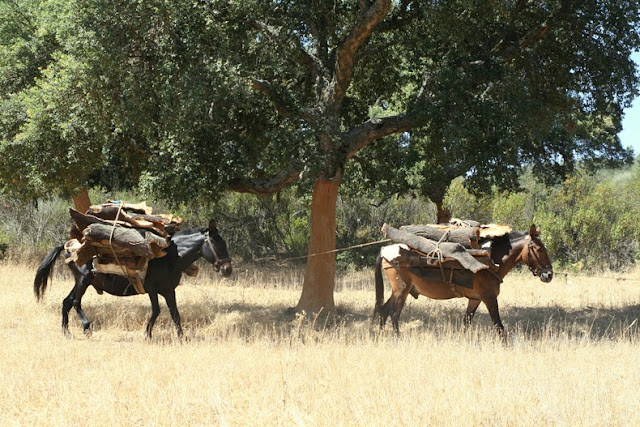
(190,98)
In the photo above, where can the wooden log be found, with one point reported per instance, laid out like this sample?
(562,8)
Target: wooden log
(132,235)
(457,222)
(140,208)
(121,240)
(417,259)
(467,237)
(151,234)
(79,253)
(136,275)
(81,199)
(168,222)
(491,231)
(110,213)
(74,232)
(448,249)
(162,224)
(82,221)
(157,244)
(108,217)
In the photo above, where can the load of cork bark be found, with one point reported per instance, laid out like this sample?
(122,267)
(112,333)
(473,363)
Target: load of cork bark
(450,252)
(121,238)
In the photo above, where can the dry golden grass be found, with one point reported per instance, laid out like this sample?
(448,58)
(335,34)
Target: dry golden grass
(571,357)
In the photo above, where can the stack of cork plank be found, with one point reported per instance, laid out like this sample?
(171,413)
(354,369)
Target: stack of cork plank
(439,246)
(120,237)
(448,252)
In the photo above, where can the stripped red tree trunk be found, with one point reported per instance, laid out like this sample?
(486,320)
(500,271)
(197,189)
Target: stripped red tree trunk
(319,279)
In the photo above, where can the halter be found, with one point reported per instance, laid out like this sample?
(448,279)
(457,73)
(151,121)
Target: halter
(218,261)
(528,254)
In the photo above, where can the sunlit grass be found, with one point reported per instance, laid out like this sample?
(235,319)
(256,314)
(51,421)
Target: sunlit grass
(570,358)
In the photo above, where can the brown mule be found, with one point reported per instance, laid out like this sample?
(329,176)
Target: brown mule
(506,252)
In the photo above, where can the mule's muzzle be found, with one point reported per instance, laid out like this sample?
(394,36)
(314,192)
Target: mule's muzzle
(546,276)
(226,269)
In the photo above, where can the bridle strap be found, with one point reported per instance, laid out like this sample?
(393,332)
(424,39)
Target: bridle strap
(218,261)
(527,258)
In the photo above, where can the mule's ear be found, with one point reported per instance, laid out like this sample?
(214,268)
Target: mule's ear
(534,231)
(212,225)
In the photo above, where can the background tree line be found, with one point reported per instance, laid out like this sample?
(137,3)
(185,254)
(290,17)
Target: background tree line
(590,222)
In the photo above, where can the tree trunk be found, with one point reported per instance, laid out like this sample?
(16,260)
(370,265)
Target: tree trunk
(81,200)
(319,278)
(443,216)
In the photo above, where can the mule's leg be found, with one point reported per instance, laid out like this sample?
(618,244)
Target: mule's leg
(155,311)
(384,311)
(400,288)
(67,304)
(170,298)
(397,309)
(74,300)
(488,287)
(472,306)
(492,305)
(77,304)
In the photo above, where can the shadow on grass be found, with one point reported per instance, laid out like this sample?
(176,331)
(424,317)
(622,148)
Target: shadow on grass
(423,316)
(531,323)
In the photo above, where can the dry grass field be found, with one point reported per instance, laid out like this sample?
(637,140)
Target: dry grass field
(571,357)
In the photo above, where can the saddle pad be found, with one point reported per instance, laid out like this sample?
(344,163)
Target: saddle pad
(459,277)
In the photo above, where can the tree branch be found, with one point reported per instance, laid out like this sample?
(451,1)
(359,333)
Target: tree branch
(534,35)
(346,52)
(404,16)
(299,54)
(282,107)
(363,135)
(530,38)
(504,51)
(265,187)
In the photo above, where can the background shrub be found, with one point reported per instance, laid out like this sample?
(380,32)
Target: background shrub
(589,222)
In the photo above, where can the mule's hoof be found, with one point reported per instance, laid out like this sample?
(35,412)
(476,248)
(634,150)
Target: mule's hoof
(66,333)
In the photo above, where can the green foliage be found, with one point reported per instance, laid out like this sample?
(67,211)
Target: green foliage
(465,205)
(26,229)
(51,133)
(264,228)
(359,222)
(188,99)
(511,208)
(592,223)
(498,105)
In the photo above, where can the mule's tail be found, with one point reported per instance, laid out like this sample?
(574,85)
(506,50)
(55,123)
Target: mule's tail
(379,286)
(44,272)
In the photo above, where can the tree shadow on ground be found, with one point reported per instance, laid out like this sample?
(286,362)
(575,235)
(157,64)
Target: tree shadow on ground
(247,320)
(532,323)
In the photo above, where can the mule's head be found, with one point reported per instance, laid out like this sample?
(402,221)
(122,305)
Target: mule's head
(215,251)
(536,257)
